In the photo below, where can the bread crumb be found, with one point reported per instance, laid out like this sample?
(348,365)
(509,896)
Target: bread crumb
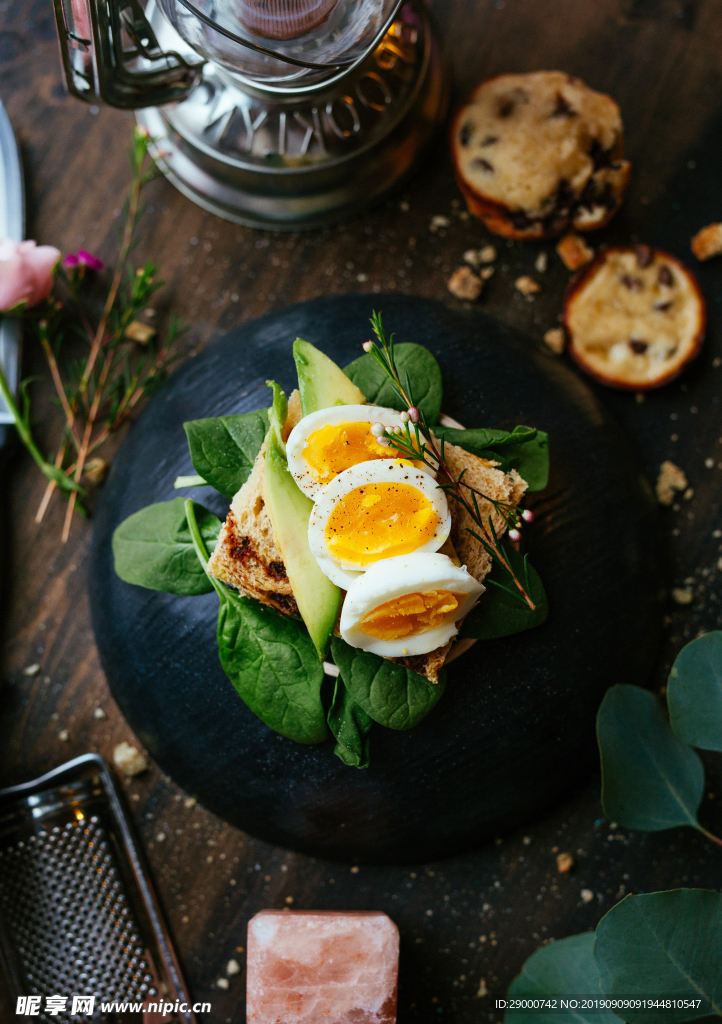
(487,254)
(464,284)
(232,967)
(354,870)
(160,838)
(574,252)
(483,990)
(189,803)
(486,272)
(565,863)
(289,900)
(527,285)
(99,714)
(439,221)
(96,471)
(541,262)
(555,339)
(63,736)
(707,242)
(587,895)
(31,670)
(682,595)
(223,983)
(139,332)
(671,478)
(129,760)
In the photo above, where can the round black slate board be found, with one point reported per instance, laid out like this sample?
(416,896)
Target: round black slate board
(514,732)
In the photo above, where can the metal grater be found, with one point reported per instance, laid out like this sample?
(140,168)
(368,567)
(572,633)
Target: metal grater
(77,913)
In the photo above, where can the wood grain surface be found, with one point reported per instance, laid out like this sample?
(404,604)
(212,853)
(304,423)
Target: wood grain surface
(469,923)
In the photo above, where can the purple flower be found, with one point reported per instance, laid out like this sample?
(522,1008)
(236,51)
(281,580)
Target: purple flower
(82,261)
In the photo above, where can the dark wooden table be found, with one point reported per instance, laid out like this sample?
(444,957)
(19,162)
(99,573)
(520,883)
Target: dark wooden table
(468,923)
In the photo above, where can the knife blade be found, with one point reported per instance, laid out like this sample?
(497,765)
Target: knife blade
(12,226)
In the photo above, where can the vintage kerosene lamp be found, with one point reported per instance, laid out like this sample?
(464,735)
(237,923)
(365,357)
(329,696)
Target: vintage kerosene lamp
(272,113)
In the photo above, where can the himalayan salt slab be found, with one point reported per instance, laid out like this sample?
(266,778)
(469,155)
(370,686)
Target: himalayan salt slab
(321,967)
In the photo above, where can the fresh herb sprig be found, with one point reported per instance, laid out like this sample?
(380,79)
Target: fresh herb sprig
(123,363)
(414,440)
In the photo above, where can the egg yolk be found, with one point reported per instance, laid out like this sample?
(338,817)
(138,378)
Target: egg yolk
(379,520)
(411,614)
(336,446)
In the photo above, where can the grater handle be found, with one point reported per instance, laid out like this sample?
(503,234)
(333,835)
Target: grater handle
(99,66)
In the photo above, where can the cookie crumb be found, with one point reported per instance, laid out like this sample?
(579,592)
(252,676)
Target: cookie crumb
(99,714)
(555,339)
(31,670)
(682,595)
(439,221)
(232,967)
(671,478)
(707,242)
(483,990)
(587,895)
(541,263)
(129,760)
(189,803)
(223,983)
(565,863)
(464,284)
(527,285)
(574,252)
(290,900)
(63,736)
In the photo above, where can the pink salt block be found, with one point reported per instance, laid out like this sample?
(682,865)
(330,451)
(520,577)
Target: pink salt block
(321,967)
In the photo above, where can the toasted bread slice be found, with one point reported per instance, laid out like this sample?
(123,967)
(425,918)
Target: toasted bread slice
(247,557)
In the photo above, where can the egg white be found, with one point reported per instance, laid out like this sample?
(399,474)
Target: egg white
(299,467)
(376,471)
(394,577)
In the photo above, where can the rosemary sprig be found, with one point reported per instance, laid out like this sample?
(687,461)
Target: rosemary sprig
(100,391)
(414,440)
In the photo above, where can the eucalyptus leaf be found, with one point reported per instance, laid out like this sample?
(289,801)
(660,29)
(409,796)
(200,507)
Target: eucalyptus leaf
(273,665)
(153,548)
(565,968)
(223,449)
(423,373)
(500,613)
(650,779)
(388,692)
(351,726)
(694,692)
(525,449)
(663,945)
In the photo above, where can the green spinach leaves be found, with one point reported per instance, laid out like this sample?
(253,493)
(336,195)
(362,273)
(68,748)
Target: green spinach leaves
(525,449)
(423,373)
(389,693)
(500,613)
(351,726)
(153,548)
(223,449)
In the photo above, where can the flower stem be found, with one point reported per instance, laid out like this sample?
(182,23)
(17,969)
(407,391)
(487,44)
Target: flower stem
(708,835)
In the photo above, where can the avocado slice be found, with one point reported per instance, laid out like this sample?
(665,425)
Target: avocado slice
(318,599)
(321,382)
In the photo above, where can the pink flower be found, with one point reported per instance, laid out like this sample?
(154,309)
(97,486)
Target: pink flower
(26,273)
(82,260)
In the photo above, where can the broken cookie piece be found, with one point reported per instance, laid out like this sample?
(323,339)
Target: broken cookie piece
(539,154)
(671,479)
(464,284)
(707,242)
(634,318)
(574,252)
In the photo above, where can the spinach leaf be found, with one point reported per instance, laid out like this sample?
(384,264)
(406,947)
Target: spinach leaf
(424,379)
(351,726)
(153,548)
(273,665)
(223,449)
(389,693)
(498,613)
(564,968)
(666,943)
(525,449)
(269,658)
(650,779)
(694,692)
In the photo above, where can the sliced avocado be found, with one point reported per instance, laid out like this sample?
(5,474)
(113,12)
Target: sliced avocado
(321,382)
(318,599)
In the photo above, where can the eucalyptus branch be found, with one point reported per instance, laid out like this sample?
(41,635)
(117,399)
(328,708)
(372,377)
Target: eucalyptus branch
(414,440)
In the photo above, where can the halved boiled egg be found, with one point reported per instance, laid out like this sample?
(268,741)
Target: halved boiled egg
(373,511)
(325,443)
(408,605)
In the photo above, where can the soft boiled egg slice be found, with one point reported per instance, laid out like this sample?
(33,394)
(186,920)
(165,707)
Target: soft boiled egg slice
(408,605)
(373,511)
(325,443)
